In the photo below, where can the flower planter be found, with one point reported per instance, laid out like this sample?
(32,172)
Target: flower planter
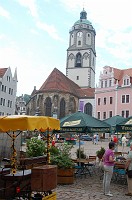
(65,176)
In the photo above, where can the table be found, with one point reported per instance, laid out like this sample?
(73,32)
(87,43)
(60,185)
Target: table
(83,166)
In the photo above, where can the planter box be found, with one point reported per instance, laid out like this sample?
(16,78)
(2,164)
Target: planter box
(44,178)
(50,197)
(65,176)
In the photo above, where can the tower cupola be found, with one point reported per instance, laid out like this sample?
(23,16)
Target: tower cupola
(83,15)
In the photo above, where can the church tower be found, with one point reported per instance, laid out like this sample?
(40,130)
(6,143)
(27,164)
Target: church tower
(81,54)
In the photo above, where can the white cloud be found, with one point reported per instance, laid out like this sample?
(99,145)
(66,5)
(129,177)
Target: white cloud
(31,5)
(34,32)
(2,36)
(4,13)
(50,29)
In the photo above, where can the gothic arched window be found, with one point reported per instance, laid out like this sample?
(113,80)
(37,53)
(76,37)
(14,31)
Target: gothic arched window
(78,62)
(88,109)
(48,105)
(62,108)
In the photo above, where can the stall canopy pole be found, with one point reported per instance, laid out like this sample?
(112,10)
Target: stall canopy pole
(48,146)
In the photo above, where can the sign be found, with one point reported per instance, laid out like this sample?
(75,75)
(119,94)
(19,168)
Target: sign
(72,123)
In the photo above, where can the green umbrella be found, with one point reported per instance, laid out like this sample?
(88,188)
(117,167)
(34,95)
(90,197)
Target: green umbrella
(81,122)
(113,121)
(125,126)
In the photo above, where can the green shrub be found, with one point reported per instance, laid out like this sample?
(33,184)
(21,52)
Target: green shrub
(35,147)
(62,156)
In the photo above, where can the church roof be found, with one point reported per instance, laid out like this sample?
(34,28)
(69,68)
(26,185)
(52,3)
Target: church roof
(58,82)
(2,71)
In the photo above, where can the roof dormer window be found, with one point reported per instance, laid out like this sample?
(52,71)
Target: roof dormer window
(126,81)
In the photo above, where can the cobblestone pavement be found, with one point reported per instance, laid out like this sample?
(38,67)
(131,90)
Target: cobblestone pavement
(90,187)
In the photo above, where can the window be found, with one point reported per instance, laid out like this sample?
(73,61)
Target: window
(104,100)
(110,83)
(127,113)
(104,115)
(79,42)
(125,98)
(78,60)
(98,115)
(101,84)
(111,100)
(110,114)
(99,101)
(105,83)
(77,77)
(1,101)
(9,90)
(2,88)
(123,113)
(126,81)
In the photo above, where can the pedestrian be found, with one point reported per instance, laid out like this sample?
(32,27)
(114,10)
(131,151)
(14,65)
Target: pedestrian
(94,139)
(108,161)
(128,166)
(97,138)
(39,137)
(124,141)
(58,136)
(53,142)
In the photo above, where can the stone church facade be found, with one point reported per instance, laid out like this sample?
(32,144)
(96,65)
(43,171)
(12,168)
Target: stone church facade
(61,95)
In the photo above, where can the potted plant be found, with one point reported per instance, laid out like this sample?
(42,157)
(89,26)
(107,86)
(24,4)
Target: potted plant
(61,157)
(80,153)
(100,152)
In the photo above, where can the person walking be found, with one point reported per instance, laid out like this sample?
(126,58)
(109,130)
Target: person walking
(108,161)
(123,141)
(128,166)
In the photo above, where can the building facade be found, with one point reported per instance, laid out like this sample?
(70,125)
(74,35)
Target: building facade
(61,95)
(113,94)
(20,106)
(8,89)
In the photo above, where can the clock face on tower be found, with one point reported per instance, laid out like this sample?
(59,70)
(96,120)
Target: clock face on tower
(79,34)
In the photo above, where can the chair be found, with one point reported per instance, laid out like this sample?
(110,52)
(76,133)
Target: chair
(119,174)
(92,164)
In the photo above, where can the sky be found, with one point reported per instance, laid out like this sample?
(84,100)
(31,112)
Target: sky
(34,36)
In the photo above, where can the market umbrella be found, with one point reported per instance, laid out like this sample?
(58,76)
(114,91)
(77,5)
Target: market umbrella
(113,121)
(13,125)
(80,122)
(125,126)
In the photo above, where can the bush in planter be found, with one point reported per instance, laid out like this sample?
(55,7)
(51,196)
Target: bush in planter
(35,147)
(100,152)
(61,156)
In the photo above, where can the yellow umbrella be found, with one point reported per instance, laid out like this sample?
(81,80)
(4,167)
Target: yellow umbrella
(18,123)
(25,122)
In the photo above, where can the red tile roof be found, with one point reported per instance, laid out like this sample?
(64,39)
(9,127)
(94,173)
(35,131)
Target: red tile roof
(2,71)
(120,73)
(58,82)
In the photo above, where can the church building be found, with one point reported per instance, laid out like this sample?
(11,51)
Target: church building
(62,94)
